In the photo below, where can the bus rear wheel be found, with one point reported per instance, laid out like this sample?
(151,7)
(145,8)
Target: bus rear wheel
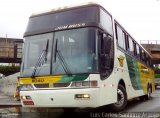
(121,100)
(155,86)
(148,95)
(149,91)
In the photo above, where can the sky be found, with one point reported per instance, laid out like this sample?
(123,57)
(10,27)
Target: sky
(141,18)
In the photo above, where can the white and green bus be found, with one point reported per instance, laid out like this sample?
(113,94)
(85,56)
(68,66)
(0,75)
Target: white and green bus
(80,57)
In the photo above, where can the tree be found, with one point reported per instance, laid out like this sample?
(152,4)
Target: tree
(8,70)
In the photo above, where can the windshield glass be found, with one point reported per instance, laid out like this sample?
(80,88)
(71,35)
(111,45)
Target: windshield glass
(77,48)
(73,52)
(33,50)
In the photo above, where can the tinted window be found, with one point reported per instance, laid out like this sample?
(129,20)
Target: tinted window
(48,22)
(137,51)
(147,60)
(131,46)
(142,55)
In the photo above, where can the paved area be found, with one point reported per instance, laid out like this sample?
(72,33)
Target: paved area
(152,105)
(135,109)
(6,100)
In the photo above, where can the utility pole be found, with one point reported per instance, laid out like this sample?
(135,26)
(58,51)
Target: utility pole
(6,47)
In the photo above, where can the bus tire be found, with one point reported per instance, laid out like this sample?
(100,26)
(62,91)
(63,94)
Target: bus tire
(122,99)
(149,91)
(142,98)
(68,110)
(155,86)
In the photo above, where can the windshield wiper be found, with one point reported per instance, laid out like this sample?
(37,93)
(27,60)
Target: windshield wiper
(42,59)
(61,59)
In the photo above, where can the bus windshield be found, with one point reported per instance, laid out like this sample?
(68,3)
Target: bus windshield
(72,50)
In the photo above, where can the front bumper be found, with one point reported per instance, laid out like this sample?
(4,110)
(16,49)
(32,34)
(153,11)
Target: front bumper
(62,98)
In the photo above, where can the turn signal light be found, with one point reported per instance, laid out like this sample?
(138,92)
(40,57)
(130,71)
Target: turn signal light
(93,83)
(28,102)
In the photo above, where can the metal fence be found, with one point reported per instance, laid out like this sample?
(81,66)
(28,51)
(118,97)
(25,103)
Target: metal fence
(149,41)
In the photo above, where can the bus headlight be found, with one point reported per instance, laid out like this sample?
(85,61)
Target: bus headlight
(23,97)
(26,87)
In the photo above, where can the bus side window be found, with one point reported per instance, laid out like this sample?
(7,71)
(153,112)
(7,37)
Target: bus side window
(135,50)
(131,46)
(150,63)
(120,35)
(127,42)
(106,21)
(147,60)
(138,52)
(142,55)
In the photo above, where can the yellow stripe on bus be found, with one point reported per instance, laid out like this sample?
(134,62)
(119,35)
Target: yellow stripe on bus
(146,75)
(40,80)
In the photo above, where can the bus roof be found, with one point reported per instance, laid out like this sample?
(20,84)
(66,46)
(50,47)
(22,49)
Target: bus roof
(65,8)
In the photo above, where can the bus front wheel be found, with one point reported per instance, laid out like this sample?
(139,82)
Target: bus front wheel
(121,99)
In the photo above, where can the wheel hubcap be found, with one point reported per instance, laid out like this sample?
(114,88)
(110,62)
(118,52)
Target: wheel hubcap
(149,92)
(120,98)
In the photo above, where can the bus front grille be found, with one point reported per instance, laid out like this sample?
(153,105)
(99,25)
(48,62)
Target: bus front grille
(41,85)
(61,84)
(55,85)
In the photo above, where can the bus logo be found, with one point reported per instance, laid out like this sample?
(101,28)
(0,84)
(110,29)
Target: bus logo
(37,80)
(70,26)
(121,60)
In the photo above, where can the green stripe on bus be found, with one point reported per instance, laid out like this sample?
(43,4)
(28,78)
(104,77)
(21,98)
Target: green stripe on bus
(134,72)
(71,78)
